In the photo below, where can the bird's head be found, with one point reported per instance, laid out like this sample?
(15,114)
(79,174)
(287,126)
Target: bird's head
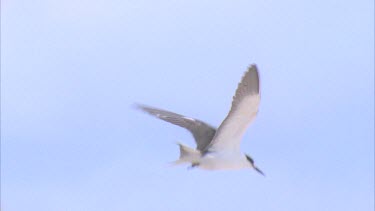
(251,161)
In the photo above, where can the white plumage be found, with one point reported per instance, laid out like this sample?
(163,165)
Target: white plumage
(220,148)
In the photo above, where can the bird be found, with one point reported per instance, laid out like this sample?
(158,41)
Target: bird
(219,148)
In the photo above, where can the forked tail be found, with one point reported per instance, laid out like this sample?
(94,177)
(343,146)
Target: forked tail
(187,155)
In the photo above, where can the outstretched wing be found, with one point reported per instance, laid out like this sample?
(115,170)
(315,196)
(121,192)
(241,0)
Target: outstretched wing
(243,112)
(203,133)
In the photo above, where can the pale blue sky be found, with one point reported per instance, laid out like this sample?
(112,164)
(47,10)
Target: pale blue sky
(71,70)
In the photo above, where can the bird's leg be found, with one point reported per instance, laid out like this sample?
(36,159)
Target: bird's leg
(193,165)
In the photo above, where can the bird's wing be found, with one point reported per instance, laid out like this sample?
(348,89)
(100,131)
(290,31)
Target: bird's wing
(243,112)
(202,132)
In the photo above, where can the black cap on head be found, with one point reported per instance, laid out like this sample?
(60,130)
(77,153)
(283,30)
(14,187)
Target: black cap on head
(252,164)
(250,159)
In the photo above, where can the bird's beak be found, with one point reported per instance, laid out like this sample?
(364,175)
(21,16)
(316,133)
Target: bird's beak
(259,171)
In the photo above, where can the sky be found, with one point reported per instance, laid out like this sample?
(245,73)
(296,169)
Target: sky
(71,72)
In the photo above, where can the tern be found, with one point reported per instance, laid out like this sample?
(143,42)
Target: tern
(219,149)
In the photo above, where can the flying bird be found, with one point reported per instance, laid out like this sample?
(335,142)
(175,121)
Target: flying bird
(219,149)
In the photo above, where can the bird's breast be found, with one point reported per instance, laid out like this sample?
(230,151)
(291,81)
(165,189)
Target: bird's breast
(217,161)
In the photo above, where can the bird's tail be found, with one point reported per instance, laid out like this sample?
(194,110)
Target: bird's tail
(187,155)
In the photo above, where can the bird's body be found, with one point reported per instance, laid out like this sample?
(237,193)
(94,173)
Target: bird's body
(215,160)
(223,160)
(219,149)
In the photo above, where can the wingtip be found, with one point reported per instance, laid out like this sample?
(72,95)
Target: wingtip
(253,68)
(136,105)
(251,79)
(253,65)
(140,106)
